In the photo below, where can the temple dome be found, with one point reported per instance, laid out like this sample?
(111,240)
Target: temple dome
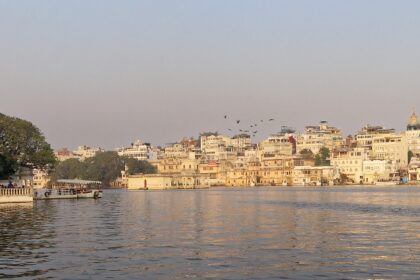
(413,123)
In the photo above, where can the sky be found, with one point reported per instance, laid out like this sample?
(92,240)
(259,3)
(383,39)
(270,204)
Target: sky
(105,73)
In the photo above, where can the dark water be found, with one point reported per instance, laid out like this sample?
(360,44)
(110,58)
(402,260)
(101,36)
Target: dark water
(255,233)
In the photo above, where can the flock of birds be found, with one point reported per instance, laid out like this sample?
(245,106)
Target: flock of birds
(250,129)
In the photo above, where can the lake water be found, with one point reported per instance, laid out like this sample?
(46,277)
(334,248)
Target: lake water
(253,233)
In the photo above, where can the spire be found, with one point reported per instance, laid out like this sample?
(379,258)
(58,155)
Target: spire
(413,119)
(413,122)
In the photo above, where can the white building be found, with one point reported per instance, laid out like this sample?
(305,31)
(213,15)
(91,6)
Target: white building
(376,171)
(137,150)
(349,162)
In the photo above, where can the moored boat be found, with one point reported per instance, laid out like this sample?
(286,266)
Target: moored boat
(70,189)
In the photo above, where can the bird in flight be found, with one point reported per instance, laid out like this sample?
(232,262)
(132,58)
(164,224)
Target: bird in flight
(270,120)
(238,121)
(226,116)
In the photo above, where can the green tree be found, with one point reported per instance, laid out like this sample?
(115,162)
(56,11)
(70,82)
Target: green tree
(323,157)
(22,145)
(104,167)
(410,156)
(139,166)
(307,154)
(69,169)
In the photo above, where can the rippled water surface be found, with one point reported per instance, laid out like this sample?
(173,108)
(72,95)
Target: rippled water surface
(254,233)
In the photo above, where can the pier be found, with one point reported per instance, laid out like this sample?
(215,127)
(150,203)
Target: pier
(16,195)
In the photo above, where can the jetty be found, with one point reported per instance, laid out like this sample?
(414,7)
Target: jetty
(16,195)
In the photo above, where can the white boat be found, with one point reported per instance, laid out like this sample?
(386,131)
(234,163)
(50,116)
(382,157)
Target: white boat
(70,189)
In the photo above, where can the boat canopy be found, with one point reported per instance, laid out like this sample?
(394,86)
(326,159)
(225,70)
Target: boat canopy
(78,182)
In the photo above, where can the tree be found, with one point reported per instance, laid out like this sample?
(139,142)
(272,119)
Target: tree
(69,169)
(139,166)
(22,145)
(410,156)
(104,167)
(307,154)
(323,157)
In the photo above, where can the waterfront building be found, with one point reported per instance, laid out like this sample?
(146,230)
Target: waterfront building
(376,171)
(316,137)
(414,170)
(384,144)
(314,175)
(413,135)
(165,181)
(40,178)
(137,150)
(241,177)
(213,171)
(349,163)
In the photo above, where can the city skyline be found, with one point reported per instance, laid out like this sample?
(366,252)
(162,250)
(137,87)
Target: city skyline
(158,70)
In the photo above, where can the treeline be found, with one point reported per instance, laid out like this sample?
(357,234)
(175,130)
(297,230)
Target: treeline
(22,145)
(104,166)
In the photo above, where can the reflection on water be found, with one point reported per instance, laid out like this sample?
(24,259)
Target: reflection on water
(256,233)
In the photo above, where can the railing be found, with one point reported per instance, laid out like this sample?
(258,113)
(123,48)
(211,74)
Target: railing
(16,192)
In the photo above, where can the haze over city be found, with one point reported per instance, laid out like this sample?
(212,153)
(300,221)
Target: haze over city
(105,75)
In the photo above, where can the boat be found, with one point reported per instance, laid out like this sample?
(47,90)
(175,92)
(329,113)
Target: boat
(70,189)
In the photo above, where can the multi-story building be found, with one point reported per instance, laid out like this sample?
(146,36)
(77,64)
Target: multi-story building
(314,175)
(40,178)
(349,162)
(276,145)
(364,137)
(84,152)
(376,171)
(137,150)
(392,147)
(316,137)
(413,135)
(384,144)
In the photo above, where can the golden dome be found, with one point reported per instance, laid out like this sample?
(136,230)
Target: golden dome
(414,120)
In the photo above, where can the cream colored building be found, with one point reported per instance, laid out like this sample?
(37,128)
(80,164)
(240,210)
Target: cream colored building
(176,165)
(349,162)
(316,137)
(414,170)
(40,178)
(314,175)
(162,182)
(276,145)
(219,147)
(364,138)
(413,134)
(84,152)
(376,171)
(392,147)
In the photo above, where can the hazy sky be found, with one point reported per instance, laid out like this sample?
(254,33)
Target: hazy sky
(105,73)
